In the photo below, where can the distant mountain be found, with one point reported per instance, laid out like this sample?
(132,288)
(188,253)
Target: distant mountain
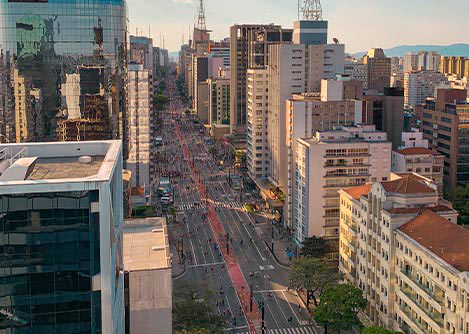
(174,55)
(444,50)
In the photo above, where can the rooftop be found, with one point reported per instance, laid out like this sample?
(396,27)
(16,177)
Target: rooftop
(357,192)
(64,168)
(416,151)
(438,208)
(408,184)
(146,245)
(446,240)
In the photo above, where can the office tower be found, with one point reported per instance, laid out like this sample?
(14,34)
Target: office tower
(328,162)
(249,49)
(418,85)
(202,102)
(181,68)
(148,284)
(386,112)
(221,49)
(141,52)
(357,71)
(443,121)
(411,62)
(200,73)
(219,106)
(141,126)
(403,279)
(378,70)
(310,32)
(61,226)
(40,45)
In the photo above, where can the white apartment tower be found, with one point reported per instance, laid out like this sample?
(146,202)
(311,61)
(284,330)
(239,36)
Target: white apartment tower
(418,85)
(328,162)
(140,126)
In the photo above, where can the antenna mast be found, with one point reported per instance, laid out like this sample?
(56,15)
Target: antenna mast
(310,10)
(201,19)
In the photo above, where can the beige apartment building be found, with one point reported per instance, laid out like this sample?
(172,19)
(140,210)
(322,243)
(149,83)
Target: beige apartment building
(378,70)
(327,162)
(308,113)
(422,161)
(369,254)
(219,106)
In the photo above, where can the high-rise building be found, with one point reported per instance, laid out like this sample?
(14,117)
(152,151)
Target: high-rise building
(404,279)
(39,41)
(378,70)
(421,61)
(200,73)
(328,162)
(444,123)
(62,255)
(306,114)
(141,126)
(141,52)
(357,71)
(249,49)
(221,49)
(386,112)
(454,65)
(219,106)
(418,85)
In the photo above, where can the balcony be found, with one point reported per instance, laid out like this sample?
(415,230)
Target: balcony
(433,316)
(328,176)
(437,297)
(410,318)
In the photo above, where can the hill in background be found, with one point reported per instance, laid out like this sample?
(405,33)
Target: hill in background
(444,50)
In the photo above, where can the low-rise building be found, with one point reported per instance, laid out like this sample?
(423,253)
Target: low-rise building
(422,161)
(370,218)
(328,162)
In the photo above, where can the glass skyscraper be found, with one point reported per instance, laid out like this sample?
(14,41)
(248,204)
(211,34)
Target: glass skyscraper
(63,70)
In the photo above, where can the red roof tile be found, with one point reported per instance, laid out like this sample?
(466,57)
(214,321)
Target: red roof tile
(416,151)
(446,240)
(406,185)
(357,192)
(438,208)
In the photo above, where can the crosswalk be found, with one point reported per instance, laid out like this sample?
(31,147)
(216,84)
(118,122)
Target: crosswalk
(298,330)
(197,205)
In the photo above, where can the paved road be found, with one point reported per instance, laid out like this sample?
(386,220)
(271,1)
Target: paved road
(284,311)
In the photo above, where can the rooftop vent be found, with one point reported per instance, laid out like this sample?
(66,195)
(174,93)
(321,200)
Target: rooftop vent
(86,159)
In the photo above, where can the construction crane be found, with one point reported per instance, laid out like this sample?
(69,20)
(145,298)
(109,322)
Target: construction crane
(310,10)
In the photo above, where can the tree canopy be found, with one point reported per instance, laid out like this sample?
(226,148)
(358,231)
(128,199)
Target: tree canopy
(315,247)
(339,307)
(193,311)
(313,275)
(460,200)
(159,101)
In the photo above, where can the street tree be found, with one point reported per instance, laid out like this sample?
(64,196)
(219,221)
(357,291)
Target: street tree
(339,307)
(314,246)
(313,275)
(377,330)
(193,311)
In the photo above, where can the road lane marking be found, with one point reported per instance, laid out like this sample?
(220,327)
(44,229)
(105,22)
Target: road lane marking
(286,299)
(205,264)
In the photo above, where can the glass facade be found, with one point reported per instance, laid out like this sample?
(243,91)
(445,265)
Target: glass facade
(63,70)
(49,252)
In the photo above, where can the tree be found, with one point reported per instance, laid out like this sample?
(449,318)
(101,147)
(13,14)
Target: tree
(339,307)
(460,200)
(316,247)
(193,311)
(159,101)
(312,275)
(377,330)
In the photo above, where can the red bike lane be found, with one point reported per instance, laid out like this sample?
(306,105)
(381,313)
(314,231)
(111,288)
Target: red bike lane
(237,278)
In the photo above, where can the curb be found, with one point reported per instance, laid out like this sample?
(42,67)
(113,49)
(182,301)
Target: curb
(178,275)
(275,257)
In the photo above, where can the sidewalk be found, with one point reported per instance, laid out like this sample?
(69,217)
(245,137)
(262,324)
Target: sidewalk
(263,228)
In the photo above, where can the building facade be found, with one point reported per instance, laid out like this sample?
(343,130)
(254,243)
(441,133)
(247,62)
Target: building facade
(418,85)
(444,124)
(378,70)
(39,43)
(219,106)
(61,225)
(328,162)
(141,126)
(402,247)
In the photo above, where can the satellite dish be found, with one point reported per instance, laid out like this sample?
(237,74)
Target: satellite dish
(336,41)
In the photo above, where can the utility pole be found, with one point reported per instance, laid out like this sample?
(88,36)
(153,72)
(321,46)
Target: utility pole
(250,298)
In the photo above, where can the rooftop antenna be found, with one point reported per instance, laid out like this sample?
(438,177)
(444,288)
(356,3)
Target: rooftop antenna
(201,19)
(310,10)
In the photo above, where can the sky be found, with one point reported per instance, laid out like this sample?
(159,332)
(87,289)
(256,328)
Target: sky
(359,24)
